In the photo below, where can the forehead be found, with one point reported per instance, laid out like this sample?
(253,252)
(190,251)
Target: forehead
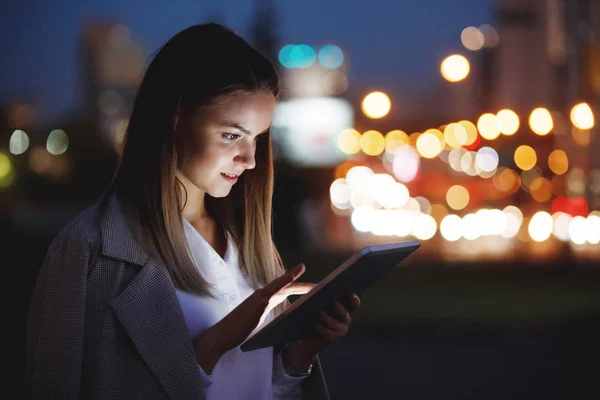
(251,110)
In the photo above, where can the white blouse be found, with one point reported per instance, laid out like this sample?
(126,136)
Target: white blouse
(256,374)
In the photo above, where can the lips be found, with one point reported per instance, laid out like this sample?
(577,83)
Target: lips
(231,178)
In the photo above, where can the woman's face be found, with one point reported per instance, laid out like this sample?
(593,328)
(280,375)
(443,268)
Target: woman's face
(221,140)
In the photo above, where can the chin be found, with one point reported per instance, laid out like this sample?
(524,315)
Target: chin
(219,192)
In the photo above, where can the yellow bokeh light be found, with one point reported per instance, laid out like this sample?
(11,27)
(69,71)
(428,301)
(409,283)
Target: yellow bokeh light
(558,162)
(372,143)
(5,165)
(457,197)
(349,141)
(541,190)
(582,116)
(540,121)
(395,139)
(507,122)
(376,105)
(7,171)
(439,135)
(472,38)
(525,157)
(429,145)
(455,135)
(471,131)
(507,181)
(438,211)
(455,68)
(488,126)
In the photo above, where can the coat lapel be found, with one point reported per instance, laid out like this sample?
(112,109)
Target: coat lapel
(149,310)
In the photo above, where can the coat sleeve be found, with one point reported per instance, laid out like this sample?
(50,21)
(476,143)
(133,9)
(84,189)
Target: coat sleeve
(55,321)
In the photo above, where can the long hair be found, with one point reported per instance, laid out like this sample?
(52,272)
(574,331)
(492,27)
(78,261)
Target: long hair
(192,69)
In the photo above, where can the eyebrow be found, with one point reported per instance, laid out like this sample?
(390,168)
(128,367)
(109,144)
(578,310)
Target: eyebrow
(238,127)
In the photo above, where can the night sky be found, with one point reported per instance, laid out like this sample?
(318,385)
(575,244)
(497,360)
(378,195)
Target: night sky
(394,45)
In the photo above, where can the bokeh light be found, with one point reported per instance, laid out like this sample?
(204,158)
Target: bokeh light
(558,162)
(429,145)
(487,159)
(540,189)
(57,142)
(376,105)
(582,116)
(455,135)
(490,35)
(507,122)
(406,164)
(331,56)
(472,38)
(372,143)
(349,141)
(394,139)
(297,56)
(488,126)
(540,226)
(457,197)
(19,142)
(455,68)
(525,157)
(540,121)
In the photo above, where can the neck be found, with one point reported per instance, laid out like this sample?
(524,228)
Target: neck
(194,208)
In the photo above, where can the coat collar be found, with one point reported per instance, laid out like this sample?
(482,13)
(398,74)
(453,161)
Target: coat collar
(118,239)
(149,310)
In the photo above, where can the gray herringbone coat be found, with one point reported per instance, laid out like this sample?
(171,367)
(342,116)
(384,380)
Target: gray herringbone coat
(105,322)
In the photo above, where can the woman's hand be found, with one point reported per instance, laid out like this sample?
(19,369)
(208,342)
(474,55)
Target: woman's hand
(330,327)
(234,328)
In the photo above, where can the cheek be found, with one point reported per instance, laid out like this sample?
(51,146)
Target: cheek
(208,156)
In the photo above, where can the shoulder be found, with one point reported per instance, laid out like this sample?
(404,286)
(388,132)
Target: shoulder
(79,235)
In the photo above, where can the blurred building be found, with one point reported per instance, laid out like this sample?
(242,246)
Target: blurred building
(113,65)
(593,84)
(548,57)
(529,53)
(312,111)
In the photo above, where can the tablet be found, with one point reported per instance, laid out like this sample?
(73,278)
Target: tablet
(353,276)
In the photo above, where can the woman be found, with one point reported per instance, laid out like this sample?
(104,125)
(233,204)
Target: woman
(150,292)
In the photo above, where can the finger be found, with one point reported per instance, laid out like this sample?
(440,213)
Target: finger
(328,334)
(297,288)
(332,323)
(354,302)
(341,314)
(285,279)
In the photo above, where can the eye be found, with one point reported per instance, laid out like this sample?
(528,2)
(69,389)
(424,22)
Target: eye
(230,136)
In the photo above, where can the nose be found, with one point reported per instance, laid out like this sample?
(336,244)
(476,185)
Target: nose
(246,156)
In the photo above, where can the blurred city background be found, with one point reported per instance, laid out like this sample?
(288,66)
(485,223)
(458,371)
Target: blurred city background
(467,124)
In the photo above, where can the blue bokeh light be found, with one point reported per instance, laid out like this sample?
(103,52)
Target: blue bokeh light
(331,56)
(297,56)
